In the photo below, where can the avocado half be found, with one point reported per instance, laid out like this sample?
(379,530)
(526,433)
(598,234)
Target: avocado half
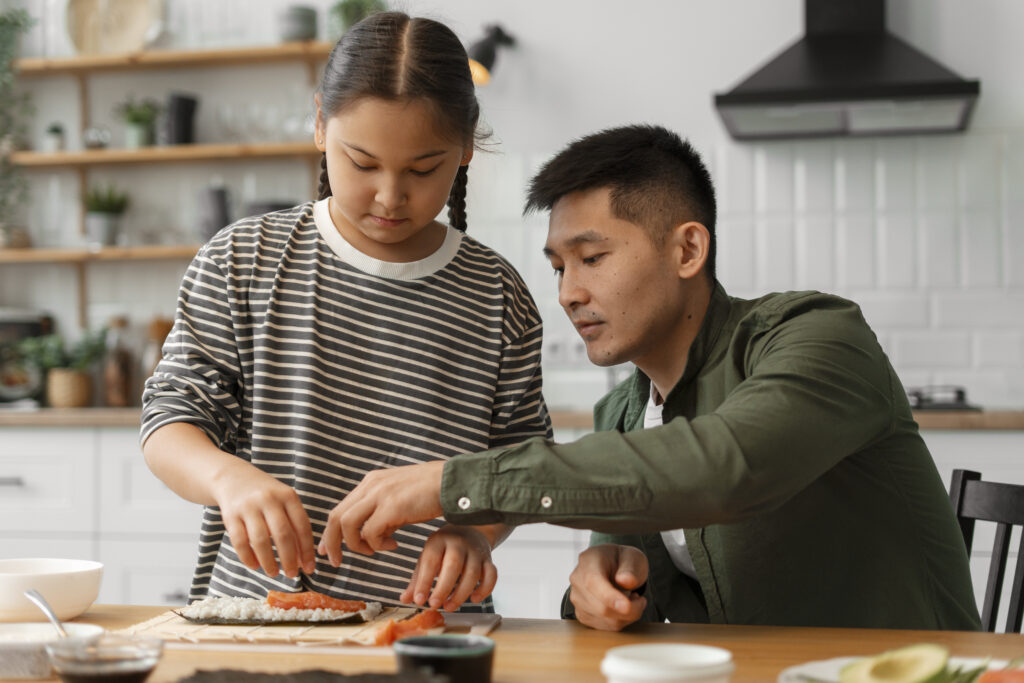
(914,664)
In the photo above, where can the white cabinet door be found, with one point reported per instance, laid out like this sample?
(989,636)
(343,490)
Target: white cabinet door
(132,499)
(47,480)
(49,546)
(152,572)
(533,570)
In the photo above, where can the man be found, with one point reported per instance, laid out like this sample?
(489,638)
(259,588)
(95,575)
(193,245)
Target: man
(760,467)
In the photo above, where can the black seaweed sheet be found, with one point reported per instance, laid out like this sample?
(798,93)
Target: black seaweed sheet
(353,618)
(311,676)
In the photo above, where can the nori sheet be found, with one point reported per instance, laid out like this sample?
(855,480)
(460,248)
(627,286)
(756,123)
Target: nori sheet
(310,676)
(353,618)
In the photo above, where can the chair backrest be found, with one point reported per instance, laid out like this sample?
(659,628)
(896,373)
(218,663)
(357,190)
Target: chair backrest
(1003,504)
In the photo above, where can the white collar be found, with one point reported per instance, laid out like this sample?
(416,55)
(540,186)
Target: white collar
(413,270)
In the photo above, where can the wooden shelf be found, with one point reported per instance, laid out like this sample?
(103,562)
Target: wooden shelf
(147,253)
(169,154)
(170,59)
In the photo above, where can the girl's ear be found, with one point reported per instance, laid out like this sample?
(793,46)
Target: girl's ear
(692,241)
(467,155)
(319,133)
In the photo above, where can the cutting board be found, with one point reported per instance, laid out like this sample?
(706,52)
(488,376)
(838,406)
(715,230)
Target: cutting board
(175,629)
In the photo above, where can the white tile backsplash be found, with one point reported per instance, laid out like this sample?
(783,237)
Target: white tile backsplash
(932,349)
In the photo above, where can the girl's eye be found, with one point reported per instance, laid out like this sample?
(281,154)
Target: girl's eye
(423,174)
(361,168)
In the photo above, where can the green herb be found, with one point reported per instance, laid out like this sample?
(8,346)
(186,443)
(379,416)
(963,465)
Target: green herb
(142,111)
(109,200)
(15,109)
(49,351)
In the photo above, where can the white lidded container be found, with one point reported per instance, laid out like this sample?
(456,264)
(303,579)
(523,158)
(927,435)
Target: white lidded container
(663,662)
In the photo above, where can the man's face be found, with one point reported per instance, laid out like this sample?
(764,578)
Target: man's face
(621,291)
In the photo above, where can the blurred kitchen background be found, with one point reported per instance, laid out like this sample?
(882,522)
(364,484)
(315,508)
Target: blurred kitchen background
(926,232)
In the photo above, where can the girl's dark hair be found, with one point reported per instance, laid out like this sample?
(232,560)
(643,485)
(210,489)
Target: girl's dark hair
(396,57)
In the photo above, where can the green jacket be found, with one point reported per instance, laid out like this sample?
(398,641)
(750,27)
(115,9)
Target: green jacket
(789,455)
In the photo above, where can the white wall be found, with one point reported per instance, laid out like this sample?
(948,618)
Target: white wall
(926,232)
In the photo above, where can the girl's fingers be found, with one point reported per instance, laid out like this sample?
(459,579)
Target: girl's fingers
(451,567)
(330,542)
(259,540)
(467,582)
(284,540)
(426,569)
(487,582)
(240,542)
(304,534)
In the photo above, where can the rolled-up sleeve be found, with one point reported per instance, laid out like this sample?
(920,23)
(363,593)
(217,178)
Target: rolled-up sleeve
(198,378)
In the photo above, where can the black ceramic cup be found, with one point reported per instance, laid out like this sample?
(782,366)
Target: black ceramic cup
(462,658)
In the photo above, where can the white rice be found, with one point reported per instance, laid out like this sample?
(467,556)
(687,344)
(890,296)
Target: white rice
(253,609)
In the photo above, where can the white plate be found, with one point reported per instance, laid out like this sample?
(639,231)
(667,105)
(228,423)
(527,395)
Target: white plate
(111,26)
(827,670)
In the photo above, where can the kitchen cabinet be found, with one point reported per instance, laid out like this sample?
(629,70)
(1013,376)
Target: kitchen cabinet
(310,54)
(85,492)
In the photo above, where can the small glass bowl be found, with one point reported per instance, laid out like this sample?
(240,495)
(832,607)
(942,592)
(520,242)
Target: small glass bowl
(126,659)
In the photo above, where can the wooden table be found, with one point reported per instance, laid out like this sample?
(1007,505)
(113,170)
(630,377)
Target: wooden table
(551,650)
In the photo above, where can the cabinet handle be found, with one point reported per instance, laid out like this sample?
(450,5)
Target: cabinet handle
(12,481)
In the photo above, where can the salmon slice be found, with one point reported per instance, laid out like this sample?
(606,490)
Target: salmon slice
(312,600)
(413,626)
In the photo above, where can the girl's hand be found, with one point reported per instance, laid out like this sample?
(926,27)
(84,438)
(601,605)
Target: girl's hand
(460,558)
(260,514)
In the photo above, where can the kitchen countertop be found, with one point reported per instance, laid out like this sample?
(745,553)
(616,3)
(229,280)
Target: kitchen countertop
(562,419)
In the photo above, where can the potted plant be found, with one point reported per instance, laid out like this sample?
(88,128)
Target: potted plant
(139,118)
(345,13)
(104,208)
(67,368)
(15,108)
(54,140)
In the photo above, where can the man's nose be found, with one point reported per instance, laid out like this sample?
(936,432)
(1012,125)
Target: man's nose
(571,290)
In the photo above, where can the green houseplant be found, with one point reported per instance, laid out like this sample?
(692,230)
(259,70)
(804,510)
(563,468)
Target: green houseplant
(345,13)
(139,117)
(67,367)
(15,108)
(104,208)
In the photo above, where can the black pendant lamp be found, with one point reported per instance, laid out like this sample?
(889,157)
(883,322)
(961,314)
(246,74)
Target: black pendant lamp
(483,52)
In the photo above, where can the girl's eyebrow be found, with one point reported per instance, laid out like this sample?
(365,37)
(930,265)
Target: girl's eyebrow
(363,151)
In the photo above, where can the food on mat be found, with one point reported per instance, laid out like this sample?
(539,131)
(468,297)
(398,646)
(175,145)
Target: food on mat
(280,609)
(1002,676)
(416,625)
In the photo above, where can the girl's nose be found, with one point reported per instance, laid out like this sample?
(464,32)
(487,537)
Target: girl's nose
(390,193)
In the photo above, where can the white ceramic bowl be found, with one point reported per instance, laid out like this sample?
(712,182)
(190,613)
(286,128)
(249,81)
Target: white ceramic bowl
(23,646)
(662,662)
(70,586)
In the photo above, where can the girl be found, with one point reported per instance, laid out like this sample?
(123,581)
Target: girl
(316,344)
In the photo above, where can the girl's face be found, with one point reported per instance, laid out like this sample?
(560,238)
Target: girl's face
(390,175)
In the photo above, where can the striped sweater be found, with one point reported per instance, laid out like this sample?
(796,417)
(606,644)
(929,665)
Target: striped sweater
(318,363)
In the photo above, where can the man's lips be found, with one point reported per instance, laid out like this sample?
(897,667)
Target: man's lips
(586,328)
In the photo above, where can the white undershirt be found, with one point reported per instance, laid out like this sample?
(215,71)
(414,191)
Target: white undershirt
(674,540)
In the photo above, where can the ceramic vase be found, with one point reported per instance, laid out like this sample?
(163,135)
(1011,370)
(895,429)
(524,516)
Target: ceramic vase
(138,135)
(102,229)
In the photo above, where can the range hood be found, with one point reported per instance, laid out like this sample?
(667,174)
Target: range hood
(847,76)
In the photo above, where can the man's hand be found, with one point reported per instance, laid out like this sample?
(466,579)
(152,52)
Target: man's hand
(382,502)
(460,558)
(601,586)
(260,514)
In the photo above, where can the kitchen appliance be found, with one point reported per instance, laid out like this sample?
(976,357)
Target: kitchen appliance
(17,380)
(847,76)
(940,397)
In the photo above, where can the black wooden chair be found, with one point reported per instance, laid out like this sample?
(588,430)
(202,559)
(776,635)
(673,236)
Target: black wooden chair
(1003,504)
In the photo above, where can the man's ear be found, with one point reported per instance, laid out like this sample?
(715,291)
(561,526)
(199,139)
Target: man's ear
(691,242)
(319,133)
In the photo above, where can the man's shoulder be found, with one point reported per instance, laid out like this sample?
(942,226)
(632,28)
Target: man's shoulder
(777,307)
(610,408)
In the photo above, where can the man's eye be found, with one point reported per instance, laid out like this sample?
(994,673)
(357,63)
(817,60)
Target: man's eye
(591,260)
(558,271)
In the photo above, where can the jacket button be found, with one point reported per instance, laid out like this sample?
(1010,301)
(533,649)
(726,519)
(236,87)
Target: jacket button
(464,503)
(545,502)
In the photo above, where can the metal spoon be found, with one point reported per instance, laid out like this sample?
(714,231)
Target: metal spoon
(34,595)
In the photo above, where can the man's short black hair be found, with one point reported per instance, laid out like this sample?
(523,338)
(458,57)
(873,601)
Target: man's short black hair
(657,180)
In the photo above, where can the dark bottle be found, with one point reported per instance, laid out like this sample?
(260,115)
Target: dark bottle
(117,366)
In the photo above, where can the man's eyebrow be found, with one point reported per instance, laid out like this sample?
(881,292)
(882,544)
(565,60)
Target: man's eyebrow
(427,155)
(585,237)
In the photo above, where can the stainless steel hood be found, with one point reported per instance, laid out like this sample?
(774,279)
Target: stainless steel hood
(847,76)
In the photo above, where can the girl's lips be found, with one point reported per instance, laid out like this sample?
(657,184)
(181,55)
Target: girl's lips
(387,222)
